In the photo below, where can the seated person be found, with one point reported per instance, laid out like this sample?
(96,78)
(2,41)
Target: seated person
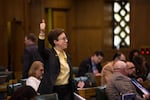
(131,73)
(35,74)
(107,70)
(24,93)
(133,53)
(91,64)
(142,67)
(120,84)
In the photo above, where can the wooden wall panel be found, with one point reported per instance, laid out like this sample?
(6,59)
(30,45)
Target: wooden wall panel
(57,3)
(89,24)
(89,13)
(140,22)
(87,33)
(21,20)
(34,16)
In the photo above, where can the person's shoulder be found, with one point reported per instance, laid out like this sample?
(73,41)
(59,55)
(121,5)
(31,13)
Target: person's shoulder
(120,77)
(30,78)
(108,65)
(31,47)
(51,52)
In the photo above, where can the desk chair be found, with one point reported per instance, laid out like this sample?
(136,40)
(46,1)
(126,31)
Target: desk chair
(3,78)
(75,70)
(52,96)
(8,75)
(2,68)
(100,93)
(12,87)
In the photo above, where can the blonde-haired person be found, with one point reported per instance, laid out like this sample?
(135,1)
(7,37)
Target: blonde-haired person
(35,74)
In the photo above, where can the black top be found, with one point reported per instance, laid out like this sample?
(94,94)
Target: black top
(31,54)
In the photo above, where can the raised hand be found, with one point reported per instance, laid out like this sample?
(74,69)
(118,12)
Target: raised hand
(42,25)
(42,29)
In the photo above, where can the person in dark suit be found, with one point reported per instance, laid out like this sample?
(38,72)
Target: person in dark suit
(30,53)
(91,64)
(57,76)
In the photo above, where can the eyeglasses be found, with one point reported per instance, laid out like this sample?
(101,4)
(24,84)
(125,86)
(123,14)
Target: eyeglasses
(64,38)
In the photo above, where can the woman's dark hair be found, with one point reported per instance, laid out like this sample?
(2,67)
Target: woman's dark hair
(31,37)
(99,53)
(117,55)
(53,35)
(141,69)
(24,93)
(131,54)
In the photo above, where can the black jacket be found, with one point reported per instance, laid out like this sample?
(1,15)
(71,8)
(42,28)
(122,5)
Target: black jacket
(86,67)
(31,54)
(51,69)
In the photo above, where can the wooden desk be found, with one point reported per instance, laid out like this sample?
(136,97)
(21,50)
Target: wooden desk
(98,80)
(87,93)
(146,84)
(3,87)
(3,91)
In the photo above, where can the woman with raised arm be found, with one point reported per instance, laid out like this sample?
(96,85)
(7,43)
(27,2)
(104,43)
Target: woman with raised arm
(57,76)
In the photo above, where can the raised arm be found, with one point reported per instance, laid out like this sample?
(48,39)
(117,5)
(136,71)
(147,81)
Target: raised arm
(42,30)
(41,40)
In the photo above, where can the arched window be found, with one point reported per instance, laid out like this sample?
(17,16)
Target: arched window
(121,19)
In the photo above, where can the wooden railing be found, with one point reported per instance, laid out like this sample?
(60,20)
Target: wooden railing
(87,93)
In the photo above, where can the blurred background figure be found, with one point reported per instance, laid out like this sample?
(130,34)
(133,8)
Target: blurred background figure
(141,67)
(148,76)
(132,53)
(30,53)
(36,72)
(132,74)
(120,84)
(91,64)
(24,93)
(131,69)
(107,70)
